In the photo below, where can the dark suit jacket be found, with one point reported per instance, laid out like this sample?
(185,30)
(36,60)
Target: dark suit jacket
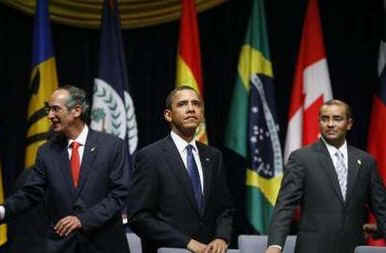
(162,207)
(98,200)
(328,223)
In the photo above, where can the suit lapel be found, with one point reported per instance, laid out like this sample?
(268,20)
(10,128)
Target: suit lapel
(329,168)
(175,163)
(64,165)
(89,154)
(206,163)
(352,170)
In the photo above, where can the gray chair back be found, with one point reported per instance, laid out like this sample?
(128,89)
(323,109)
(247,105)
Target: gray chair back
(135,244)
(290,242)
(172,250)
(180,250)
(252,243)
(370,249)
(258,244)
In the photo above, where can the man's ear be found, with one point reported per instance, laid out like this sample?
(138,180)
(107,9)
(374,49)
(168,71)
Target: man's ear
(77,111)
(167,115)
(350,123)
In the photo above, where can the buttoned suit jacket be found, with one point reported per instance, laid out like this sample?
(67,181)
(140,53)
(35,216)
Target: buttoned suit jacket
(97,201)
(163,210)
(328,223)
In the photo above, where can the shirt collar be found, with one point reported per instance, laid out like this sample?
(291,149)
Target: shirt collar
(81,139)
(181,143)
(332,149)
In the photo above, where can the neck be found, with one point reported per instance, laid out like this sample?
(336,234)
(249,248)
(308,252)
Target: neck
(187,135)
(335,143)
(74,131)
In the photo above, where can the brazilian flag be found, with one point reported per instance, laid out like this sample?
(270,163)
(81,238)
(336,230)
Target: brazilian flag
(252,131)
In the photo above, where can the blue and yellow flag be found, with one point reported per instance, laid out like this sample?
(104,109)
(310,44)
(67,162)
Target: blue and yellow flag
(43,82)
(252,131)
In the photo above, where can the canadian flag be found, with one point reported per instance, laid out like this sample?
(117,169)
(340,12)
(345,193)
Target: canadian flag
(311,86)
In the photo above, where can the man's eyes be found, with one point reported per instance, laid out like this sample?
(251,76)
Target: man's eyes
(334,119)
(195,103)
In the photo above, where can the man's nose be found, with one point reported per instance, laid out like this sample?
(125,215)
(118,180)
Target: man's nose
(330,123)
(190,107)
(50,114)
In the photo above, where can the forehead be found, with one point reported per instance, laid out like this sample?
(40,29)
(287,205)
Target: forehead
(59,97)
(185,95)
(335,109)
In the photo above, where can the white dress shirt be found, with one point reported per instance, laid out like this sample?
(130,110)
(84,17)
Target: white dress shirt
(332,150)
(181,147)
(81,140)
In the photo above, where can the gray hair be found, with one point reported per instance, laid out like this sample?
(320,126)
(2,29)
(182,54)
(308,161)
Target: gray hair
(77,97)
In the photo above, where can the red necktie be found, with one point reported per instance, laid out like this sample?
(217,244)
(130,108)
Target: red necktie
(75,163)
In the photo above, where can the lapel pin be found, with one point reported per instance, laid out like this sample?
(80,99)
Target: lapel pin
(207,159)
(92,149)
(359,162)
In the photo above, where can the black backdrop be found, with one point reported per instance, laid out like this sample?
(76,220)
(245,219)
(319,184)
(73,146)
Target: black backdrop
(352,30)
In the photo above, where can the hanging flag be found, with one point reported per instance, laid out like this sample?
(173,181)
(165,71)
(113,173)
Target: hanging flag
(377,131)
(189,57)
(311,86)
(43,82)
(252,131)
(113,108)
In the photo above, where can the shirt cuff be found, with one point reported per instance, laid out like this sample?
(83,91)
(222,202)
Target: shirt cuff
(2,212)
(275,246)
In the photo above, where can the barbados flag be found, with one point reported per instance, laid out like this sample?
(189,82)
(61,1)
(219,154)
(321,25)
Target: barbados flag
(43,82)
(252,131)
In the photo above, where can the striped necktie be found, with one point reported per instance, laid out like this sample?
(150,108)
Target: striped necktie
(341,171)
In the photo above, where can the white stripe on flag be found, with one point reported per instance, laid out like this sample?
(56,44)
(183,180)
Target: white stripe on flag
(316,82)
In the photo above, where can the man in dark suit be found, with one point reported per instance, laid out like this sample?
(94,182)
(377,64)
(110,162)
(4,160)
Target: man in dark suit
(81,176)
(334,183)
(178,193)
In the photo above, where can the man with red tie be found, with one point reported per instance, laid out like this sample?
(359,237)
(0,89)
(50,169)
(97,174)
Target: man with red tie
(81,176)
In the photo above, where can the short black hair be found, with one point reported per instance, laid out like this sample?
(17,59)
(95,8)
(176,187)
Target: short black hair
(172,93)
(339,102)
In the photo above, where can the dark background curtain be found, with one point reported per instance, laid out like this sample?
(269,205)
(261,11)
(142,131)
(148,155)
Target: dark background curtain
(352,30)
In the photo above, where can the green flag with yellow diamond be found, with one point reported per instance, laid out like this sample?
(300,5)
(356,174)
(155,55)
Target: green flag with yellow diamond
(252,131)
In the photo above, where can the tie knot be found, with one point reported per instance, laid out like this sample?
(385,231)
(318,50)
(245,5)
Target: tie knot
(189,147)
(75,145)
(339,154)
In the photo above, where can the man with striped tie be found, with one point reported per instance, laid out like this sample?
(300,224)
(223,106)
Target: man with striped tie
(334,184)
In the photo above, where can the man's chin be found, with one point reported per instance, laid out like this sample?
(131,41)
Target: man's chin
(333,139)
(56,128)
(191,126)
